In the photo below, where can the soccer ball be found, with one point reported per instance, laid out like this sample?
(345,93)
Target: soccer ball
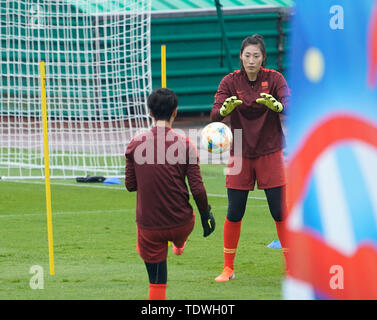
(216,137)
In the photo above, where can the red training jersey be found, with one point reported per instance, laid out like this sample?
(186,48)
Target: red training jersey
(261,127)
(157,164)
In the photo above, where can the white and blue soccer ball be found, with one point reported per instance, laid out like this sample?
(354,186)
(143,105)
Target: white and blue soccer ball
(216,137)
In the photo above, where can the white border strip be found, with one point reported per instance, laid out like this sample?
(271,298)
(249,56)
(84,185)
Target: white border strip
(120,188)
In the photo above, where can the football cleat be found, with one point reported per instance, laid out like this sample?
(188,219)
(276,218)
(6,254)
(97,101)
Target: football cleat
(178,251)
(226,275)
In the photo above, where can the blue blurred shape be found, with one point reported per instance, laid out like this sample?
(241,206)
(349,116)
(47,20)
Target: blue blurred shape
(112,180)
(274,245)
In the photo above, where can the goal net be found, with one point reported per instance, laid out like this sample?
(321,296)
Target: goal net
(98,76)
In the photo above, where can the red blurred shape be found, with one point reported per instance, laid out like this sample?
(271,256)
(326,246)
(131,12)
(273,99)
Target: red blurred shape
(310,257)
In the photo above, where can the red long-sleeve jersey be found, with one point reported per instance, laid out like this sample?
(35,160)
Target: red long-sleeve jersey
(261,127)
(157,164)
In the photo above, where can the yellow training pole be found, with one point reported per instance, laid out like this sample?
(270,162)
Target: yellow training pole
(47,169)
(163,66)
(163,74)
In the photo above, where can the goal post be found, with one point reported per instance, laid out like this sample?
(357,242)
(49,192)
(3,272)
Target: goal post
(98,77)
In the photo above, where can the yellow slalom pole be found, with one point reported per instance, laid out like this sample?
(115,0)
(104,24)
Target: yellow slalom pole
(163,66)
(163,74)
(47,169)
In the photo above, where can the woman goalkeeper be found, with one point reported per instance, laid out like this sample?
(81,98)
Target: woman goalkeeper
(254,98)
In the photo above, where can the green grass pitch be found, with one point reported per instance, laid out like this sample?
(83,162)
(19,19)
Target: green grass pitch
(94,234)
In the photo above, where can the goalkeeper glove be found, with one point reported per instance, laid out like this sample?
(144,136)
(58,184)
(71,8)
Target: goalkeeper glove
(270,102)
(229,105)
(208,222)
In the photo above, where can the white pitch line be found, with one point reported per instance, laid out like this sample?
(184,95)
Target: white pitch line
(65,213)
(20,215)
(225,196)
(68,184)
(120,188)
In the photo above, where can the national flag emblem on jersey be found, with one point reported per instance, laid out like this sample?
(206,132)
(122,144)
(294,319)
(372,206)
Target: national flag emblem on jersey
(332,152)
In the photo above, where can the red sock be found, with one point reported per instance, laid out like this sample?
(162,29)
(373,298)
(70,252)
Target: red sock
(157,291)
(232,231)
(281,234)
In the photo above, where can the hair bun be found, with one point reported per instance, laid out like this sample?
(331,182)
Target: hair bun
(257,36)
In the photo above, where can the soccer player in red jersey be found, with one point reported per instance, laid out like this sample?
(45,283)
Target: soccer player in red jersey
(254,97)
(157,163)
